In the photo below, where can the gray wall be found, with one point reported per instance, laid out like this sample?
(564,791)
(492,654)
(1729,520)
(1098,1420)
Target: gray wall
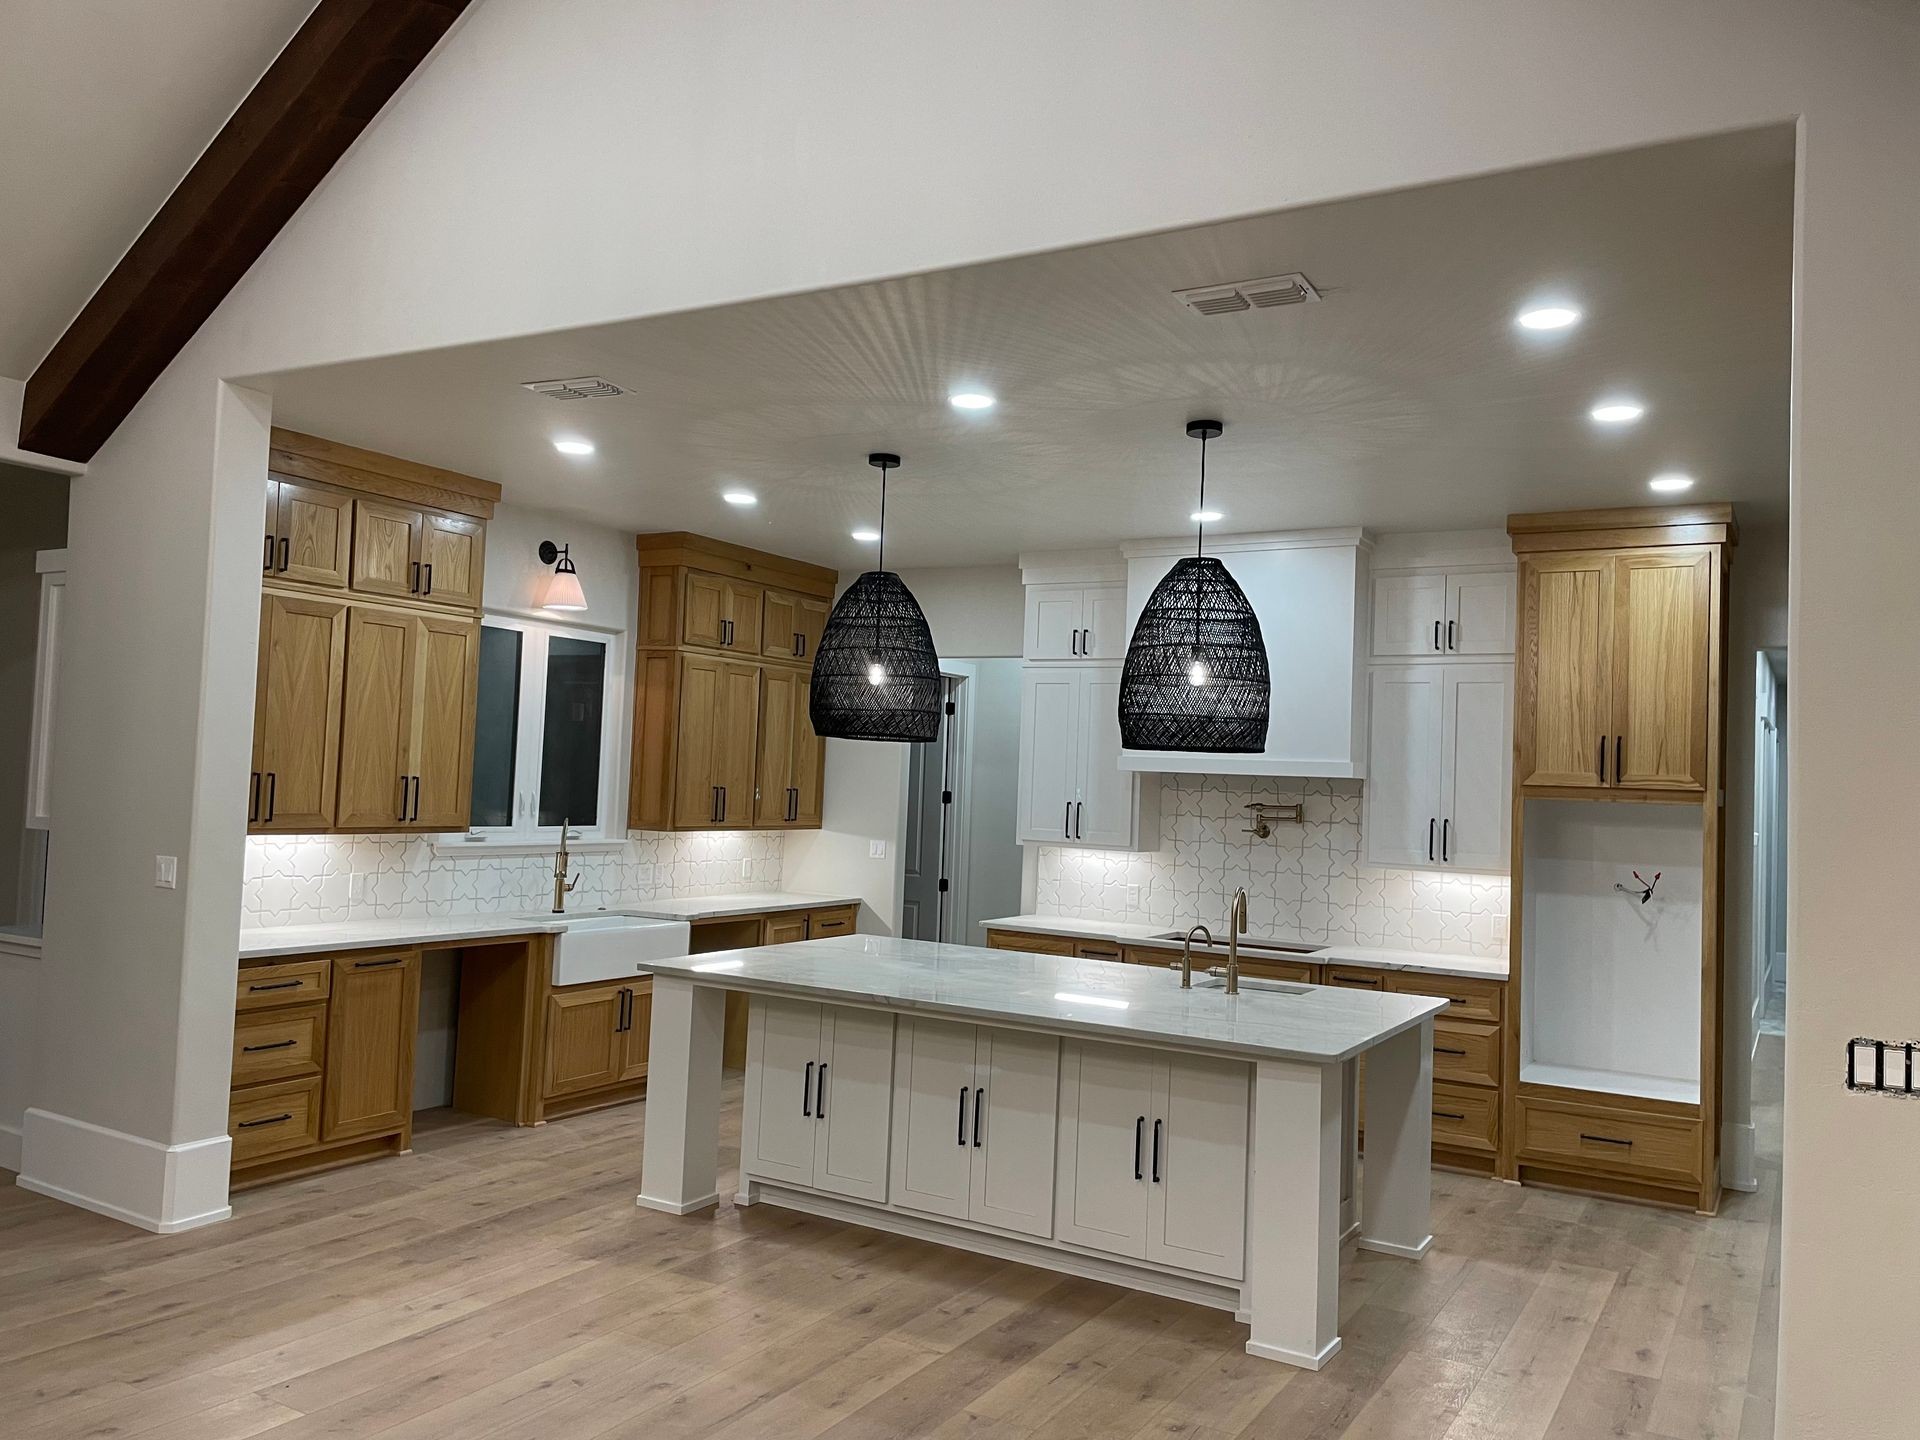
(33,517)
(993,856)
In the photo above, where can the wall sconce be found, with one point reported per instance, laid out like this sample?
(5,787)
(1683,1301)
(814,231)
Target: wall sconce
(563,586)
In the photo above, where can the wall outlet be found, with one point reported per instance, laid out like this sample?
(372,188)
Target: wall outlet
(877,849)
(166,872)
(1133,897)
(743,869)
(356,886)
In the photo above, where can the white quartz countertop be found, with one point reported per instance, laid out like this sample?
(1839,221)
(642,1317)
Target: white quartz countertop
(446,930)
(1059,994)
(1377,957)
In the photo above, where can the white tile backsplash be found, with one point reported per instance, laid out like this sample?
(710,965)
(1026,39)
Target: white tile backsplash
(1306,880)
(314,879)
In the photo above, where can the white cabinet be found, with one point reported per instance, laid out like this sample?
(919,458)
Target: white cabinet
(819,1091)
(1072,788)
(1437,776)
(1443,613)
(1152,1155)
(973,1124)
(1076,622)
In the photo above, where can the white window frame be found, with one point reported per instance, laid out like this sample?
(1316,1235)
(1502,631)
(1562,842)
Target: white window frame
(524,835)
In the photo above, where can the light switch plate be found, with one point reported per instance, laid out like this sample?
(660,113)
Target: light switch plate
(166,872)
(877,849)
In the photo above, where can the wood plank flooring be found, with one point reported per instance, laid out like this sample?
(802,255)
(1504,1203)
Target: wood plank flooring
(500,1283)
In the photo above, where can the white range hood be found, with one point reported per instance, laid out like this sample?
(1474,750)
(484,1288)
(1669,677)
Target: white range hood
(1310,589)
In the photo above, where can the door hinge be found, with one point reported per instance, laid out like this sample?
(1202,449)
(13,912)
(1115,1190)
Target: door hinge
(946,797)
(943,885)
(949,707)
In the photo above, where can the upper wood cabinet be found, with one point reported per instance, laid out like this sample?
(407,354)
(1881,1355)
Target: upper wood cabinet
(296,713)
(406,735)
(1662,626)
(309,533)
(721,738)
(1566,652)
(413,554)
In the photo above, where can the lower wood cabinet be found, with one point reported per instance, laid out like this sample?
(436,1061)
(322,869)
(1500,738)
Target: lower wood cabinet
(1144,1141)
(372,1015)
(819,1083)
(1031,942)
(973,1123)
(595,1038)
(791,926)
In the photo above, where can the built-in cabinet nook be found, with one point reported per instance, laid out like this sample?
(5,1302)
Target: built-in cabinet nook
(369,642)
(1613,1020)
(721,738)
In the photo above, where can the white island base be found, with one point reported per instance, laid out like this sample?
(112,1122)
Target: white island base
(1079,1115)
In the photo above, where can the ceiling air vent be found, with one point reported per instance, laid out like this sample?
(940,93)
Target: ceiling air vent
(1274,290)
(587,387)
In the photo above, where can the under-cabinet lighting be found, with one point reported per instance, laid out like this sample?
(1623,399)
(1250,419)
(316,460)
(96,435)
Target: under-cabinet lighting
(1105,1002)
(708,966)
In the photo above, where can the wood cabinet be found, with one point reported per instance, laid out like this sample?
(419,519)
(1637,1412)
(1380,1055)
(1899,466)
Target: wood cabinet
(819,1091)
(595,1038)
(1438,779)
(973,1123)
(1144,1139)
(406,735)
(1072,789)
(406,552)
(372,1013)
(1443,613)
(309,533)
(296,713)
(721,737)
(1076,622)
(1032,942)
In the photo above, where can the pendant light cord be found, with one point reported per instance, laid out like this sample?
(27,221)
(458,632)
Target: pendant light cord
(882,566)
(1200,534)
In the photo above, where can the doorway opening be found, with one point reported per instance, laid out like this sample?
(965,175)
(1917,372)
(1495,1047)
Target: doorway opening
(934,863)
(1769,959)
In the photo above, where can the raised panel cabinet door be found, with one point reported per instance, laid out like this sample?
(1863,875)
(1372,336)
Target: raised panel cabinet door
(744,603)
(696,783)
(638,1034)
(1565,670)
(1408,615)
(780,626)
(386,548)
(852,1103)
(1480,613)
(302,667)
(1049,737)
(782,692)
(1661,625)
(371,1017)
(585,1048)
(809,768)
(1476,804)
(315,529)
(783,1056)
(784,929)
(932,1160)
(811,616)
(452,559)
(1013,1130)
(1403,792)
(1104,622)
(736,741)
(1106,1105)
(703,611)
(446,659)
(1055,616)
(1196,1214)
(1103,812)
(376,719)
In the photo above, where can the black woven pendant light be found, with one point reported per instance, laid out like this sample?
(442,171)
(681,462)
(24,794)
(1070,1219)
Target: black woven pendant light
(875,673)
(1196,673)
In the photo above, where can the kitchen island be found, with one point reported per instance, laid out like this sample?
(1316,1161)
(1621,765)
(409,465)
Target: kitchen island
(1077,1114)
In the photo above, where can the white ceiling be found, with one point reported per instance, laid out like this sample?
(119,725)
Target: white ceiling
(104,106)
(1405,400)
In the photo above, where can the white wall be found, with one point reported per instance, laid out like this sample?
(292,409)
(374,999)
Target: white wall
(515,579)
(973,610)
(865,802)
(993,797)
(751,163)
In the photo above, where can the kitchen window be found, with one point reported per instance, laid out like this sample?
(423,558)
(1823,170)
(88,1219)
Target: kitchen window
(546,726)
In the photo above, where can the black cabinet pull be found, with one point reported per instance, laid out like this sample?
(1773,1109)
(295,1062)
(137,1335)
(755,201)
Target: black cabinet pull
(1450,644)
(820,1095)
(283,554)
(1139,1134)
(416,799)
(806,1092)
(1443,1050)
(379,964)
(1616,759)
(1156,1152)
(723,804)
(277,985)
(799,645)
(979,1104)
(1066,822)
(276,1045)
(279,1119)
(960,1130)
(1429,840)
(413,579)
(1449,1115)
(273,793)
(1446,829)
(1436,634)
(427,570)
(402,816)
(1076,819)
(1603,759)
(620,1022)
(267,564)
(1604,1139)
(253,797)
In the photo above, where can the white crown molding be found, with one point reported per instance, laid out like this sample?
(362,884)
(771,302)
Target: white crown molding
(1341,538)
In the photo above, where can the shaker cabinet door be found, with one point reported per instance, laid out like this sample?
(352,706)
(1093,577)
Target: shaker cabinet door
(296,724)
(1661,624)
(1402,796)
(932,1115)
(1565,670)
(1198,1135)
(1106,1105)
(853,1093)
(783,1054)
(1012,1130)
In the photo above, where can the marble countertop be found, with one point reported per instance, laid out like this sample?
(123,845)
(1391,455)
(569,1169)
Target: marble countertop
(432,932)
(1377,957)
(1314,1023)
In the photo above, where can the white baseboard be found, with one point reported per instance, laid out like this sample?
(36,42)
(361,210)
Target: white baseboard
(1298,1358)
(10,1147)
(162,1188)
(1736,1157)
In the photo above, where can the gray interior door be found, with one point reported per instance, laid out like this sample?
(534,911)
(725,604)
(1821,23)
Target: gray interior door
(924,907)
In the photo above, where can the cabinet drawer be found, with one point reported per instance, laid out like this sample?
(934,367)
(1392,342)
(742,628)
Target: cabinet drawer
(1617,1141)
(832,922)
(1466,1054)
(1033,944)
(1298,971)
(269,1120)
(1098,950)
(1466,999)
(294,983)
(278,1044)
(1465,1118)
(1149,955)
(1352,978)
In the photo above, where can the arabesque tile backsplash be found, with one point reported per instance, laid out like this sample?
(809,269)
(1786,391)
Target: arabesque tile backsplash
(1306,881)
(309,879)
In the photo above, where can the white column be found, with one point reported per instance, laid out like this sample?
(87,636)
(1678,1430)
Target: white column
(679,1162)
(1396,1192)
(1349,1148)
(1293,1240)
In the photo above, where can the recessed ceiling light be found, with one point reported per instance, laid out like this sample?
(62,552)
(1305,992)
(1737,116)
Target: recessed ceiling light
(1670,482)
(1617,412)
(1205,517)
(970,400)
(866,537)
(574,447)
(1548,317)
(739,497)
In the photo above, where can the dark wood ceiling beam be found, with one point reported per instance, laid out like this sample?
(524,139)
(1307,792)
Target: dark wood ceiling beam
(334,76)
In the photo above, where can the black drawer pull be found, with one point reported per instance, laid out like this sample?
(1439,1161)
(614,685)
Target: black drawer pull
(278,985)
(1444,1050)
(276,1045)
(376,964)
(280,1119)
(1449,1115)
(1603,1139)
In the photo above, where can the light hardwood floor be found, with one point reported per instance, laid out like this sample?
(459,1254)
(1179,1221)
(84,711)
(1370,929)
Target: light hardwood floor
(501,1283)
